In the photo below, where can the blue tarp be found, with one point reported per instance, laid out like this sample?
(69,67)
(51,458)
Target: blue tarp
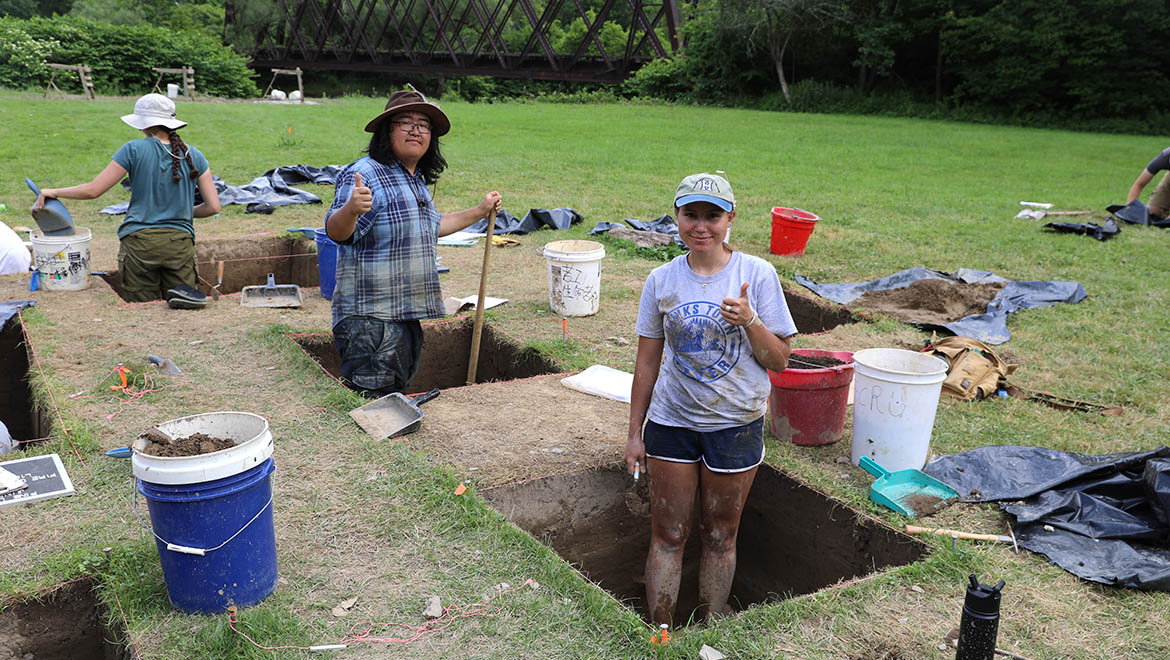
(273,188)
(506,223)
(989,327)
(10,308)
(663,225)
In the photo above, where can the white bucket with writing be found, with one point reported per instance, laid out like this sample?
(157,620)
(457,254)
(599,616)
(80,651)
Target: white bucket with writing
(895,398)
(62,261)
(574,276)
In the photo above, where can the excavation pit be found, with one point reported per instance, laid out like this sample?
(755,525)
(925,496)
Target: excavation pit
(445,355)
(812,317)
(247,262)
(793,540)
(18,410)
(67,624)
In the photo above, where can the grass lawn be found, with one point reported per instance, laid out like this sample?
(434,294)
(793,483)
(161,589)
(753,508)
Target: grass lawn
(376,520)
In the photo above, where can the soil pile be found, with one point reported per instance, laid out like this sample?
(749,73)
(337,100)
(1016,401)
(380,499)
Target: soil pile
(799,361)
(192,445)
(931,301)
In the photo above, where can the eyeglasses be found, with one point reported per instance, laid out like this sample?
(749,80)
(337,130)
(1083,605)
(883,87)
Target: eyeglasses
(408,126)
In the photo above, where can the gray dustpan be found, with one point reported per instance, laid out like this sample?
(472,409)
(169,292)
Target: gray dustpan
(392,415)
(271,295)
(54,218)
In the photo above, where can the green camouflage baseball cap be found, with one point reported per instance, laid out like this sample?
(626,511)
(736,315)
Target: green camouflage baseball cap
(705,188)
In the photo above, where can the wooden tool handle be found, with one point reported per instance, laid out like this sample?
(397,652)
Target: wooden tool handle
(477,329)
(219,271)
(915,530)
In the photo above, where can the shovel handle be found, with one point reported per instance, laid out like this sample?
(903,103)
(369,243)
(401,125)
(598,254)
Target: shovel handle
(871,466)
(423,398)
(219,272)
(915,530)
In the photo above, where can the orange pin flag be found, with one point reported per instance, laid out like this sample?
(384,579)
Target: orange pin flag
(461,488)
(662,637)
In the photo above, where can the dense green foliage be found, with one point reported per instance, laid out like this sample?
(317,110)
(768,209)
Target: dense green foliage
(1090,62)
(120,56)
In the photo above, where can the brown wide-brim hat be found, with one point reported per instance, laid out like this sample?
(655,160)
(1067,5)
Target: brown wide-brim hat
(412,101)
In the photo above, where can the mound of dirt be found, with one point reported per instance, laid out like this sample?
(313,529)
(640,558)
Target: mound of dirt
(192,445)
(931,301)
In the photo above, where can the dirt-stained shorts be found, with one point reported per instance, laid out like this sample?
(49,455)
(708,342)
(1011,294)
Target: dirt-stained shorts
(153,260)
(378,357)
(1161,195)
(736,449)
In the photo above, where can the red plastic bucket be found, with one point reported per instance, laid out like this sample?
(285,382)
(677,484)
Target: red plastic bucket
(808,405)
(790,230)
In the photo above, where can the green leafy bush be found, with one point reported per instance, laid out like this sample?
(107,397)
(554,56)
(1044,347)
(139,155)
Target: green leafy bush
(121,57)
(22,58)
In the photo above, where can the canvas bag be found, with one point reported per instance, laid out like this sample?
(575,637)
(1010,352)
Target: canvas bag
(975,370)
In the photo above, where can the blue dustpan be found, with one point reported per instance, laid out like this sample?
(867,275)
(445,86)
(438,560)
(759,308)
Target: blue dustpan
(908,492)
(54,218)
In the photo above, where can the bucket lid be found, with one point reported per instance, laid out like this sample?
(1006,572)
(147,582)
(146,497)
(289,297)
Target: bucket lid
(249,431)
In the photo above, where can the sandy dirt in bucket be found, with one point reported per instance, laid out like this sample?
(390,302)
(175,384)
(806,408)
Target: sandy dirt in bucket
(192,445)
(930,301)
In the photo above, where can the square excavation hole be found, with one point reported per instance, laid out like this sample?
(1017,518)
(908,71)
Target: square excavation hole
(793,540)
(247,262)
(68,624)
(18,410)
(812,317)
(445,356)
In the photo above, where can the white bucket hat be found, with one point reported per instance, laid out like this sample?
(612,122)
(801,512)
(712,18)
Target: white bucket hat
(153,110)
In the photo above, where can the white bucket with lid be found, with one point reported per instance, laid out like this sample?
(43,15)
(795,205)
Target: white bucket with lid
(249,431)
(62,261)
(574,276)
(895,398)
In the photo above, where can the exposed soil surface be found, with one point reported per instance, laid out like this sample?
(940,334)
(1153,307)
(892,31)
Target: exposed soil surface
(64,625)
(793,540)
(931,301)
(192,445)
(800,361)
(925,505)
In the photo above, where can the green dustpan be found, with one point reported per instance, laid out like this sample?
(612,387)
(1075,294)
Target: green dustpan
(909,492)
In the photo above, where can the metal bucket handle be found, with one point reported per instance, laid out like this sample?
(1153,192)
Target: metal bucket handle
(187,550)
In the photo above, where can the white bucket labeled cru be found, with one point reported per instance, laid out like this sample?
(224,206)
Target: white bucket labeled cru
(62,261)
(574,276)
(895,398)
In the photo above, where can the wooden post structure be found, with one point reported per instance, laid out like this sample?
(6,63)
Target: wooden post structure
(83,74)
(290,72)
(188,74)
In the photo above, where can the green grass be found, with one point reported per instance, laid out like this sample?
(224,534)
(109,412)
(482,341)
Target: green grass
(892,194)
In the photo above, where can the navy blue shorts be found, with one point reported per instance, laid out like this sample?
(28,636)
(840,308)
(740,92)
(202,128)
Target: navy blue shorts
(737,449)
(378,357)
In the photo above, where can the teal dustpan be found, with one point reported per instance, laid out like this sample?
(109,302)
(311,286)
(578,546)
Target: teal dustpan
(54,218)
(909,492)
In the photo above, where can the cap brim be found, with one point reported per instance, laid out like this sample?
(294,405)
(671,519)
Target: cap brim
(440,125)
(689,199)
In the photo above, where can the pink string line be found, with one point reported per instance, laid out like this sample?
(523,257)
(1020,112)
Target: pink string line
(132,393)
(125,624)
(53,400)
(360,631)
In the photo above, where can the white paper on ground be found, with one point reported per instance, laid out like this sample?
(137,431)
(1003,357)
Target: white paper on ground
(602,381)
(461,238)
(708,653)
(454,305)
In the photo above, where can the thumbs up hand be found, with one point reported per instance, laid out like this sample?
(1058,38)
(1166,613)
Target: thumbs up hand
(738,311)
(361,198)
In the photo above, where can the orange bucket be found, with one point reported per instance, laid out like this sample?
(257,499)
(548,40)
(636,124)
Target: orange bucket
(790,230)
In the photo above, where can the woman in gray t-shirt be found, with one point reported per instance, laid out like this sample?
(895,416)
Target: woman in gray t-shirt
(1159,202)
(696,418)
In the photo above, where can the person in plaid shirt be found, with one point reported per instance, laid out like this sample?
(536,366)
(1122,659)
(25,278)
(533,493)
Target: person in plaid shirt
(386,228)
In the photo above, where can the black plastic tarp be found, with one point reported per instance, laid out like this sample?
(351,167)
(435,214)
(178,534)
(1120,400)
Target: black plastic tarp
(1099,232)
(506,223)
(1102,518)
(273,188)
(10,308)
(663,225)
(989,327)
(1136,213)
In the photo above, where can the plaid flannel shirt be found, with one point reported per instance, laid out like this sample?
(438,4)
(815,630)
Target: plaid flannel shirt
(387,268)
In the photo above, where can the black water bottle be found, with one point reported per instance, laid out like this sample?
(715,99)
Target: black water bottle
(980,624)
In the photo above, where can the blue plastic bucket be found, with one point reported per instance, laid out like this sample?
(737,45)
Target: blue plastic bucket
(216,539)
(326,264)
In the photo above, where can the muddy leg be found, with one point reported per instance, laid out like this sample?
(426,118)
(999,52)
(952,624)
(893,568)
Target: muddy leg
(721,497)
(672,497)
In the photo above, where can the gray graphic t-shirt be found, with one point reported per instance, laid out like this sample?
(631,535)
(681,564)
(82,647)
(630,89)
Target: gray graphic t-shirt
(709,378)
